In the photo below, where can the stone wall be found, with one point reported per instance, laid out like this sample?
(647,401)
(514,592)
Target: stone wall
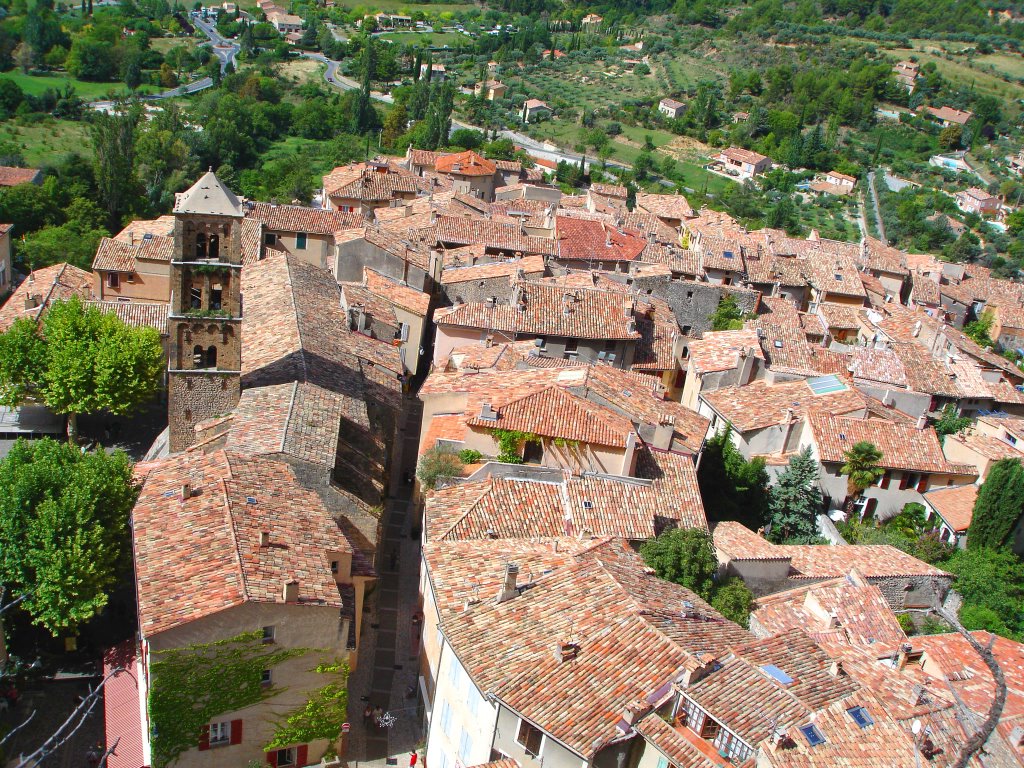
(473,291)
(692,301)
(195,396)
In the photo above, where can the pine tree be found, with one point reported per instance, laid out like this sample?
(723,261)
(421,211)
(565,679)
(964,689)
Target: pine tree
(795,500)
(999,505)
(364,119)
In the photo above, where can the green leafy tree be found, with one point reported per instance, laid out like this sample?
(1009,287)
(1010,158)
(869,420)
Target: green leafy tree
(113,140)
(991,579)
(727,315)
(949,423)
(732,599)
(438,465)
(795,500)
(63,523)
(683,556)
(365,118)
(979,330)
(439,117)
(732,487)
(861,469)
(394,125)
(998,507)
(80,361)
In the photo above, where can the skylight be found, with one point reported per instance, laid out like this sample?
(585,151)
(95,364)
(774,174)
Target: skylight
(250,499)
(812,734)
(776,674)
(727,254)
(860,716)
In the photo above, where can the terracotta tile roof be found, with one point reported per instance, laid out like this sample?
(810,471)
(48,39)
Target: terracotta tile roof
(720,253)
(758,404)
(297,218)
(610,609)
(423,157)
(679,260)
(848,608)
(719,350)
(649,224)
(507,762)
(456,230)
(252,241)
(726,694)
(296,330)
(609,190)
(951,659)
(884,258)
(137,314)
(532,267)
(954,504)
(580,240)
(664,206)
(466,163)
(819,561)
(379,309)
(119,256)
(298,419)
(782,339)
(925,290)
(202,555)
(880,365)
(58,282)
(517,507)
(11,177)
(841,317)
(402,296)
(903,447)
(553,412)
(586,314)
(136,230)
(743,155)
(680,746)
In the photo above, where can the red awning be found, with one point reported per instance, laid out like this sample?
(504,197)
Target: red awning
(121,707)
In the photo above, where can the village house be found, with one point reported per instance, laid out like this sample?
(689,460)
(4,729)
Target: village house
(978,201)
(12,177)
(906,73)
(720,359)
(834,183)
(307,233)
(947,116)
(954,509)
(911,457)
(535,110)
(35,294)
(135,265)
(438,72)
(671,108)
(492,89)
(285,23)
(742,163)
(367,187)
(399,255)
(591,22)
(1007,326)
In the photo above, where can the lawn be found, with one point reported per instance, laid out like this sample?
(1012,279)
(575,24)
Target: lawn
(962,73)
(164,44)
(36,84)
(407,9)
(434,40)
(1007,64)
(42,141)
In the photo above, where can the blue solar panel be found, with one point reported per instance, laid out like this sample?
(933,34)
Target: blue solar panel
(822,385)
(777,674)
(812,734)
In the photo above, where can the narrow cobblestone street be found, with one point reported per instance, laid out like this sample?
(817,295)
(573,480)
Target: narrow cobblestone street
(388,668)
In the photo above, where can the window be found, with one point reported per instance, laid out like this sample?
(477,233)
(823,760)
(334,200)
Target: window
(113,280)
(710,729)
(220,734)
(334,566)
(195,298)
(465,747)
(285,757)
(300,241)
(216,295)
(446,717)
(268,637)
(812,734)
(530,738)
(211,357)
(267,677)
(860,716)
(270,239)
(662,762)
(571,347)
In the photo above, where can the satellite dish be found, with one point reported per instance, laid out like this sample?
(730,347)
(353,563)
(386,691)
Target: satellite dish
(916,727)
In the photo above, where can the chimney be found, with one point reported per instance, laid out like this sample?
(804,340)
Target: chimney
(508,587)
(186,491)
(696,667)
(32,301)
(264,538)
(291,591)
(836,669)
(662,439)
(901,656)
(567,651)
(487,413)
(922,421)
(833,621)
(627,308)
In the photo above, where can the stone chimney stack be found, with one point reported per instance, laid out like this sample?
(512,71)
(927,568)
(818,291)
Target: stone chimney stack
(508,587)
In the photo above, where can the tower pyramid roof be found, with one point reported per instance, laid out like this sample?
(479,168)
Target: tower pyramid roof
(209,195)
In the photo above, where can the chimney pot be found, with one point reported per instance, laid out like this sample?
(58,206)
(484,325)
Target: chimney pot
(508,587)
(186,491)
(264,538)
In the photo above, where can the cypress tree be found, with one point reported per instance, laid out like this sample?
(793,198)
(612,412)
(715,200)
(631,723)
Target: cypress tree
(999,506)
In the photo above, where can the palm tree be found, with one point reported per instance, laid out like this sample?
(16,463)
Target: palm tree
(861,470)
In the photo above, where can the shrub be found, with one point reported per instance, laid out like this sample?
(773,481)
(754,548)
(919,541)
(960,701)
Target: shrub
(470,456)
(437,465)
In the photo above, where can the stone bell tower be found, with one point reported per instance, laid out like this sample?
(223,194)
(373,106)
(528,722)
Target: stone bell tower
(205,318)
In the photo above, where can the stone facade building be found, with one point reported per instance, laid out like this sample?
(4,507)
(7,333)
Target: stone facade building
(205,319)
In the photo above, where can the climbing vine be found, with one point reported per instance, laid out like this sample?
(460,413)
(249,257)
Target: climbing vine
(321,716)
(509,441)
(192,685)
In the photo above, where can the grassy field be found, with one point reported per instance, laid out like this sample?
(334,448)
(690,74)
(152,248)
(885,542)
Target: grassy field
(301,71)
(406,9)
(961,73)
(436,39)
(1009,64)
(36,84)
(164,44)
(581,84)
(40,142)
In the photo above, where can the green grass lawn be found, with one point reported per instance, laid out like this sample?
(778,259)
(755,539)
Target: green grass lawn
(436,39)
(42,141)
(36,84)
(405,8)
(164,44)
